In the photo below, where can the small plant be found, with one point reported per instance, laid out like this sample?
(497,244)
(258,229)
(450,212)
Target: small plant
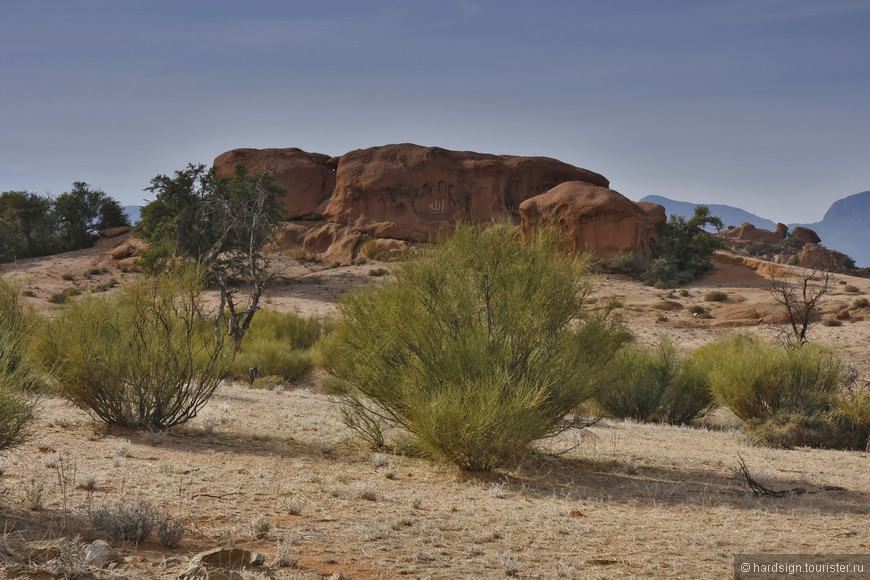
(684,293)
(377,272)
(260,527)
(861,303)
(293,506)
(832,322)
(170,532)
(716,296)
(94,272)
(697,309)
(800,300)
(67,276)
(64,296)
(33,494)
(366,491)
(71,561)
(285,555)
(851,289)
(126,520)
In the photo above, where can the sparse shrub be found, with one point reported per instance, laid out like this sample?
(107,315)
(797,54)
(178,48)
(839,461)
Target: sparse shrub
(170,532)
(126,520)
(861,303)
(143,358)
(71,561)
(260,527)
(659,386)
(697,309)
(286,556)
(378,272)
(624,263)
(715,296)
(94,272)
(833,322)
(64,296)
(851,289)
(684,293)
(477,348)
(67,276)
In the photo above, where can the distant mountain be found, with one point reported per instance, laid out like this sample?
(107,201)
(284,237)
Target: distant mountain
(132,212)
(730,216)
(845,227)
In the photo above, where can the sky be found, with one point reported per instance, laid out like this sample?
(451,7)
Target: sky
(761,104)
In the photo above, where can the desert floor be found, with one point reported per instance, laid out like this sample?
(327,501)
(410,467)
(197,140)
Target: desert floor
(623,500)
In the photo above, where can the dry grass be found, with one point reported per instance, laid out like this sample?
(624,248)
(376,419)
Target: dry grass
(631,499)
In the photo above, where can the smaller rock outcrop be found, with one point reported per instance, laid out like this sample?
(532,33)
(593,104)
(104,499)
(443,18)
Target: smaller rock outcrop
(749,233)
(596,219)
(307,176)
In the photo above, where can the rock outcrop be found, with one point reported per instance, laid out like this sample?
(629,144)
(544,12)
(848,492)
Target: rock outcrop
(404,193)
(410,192)
(596,219)
(749,233)
(307,176)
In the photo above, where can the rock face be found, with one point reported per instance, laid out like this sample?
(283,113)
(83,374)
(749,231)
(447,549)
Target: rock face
(410,192)
(407,193)
(597,219)
(308,178)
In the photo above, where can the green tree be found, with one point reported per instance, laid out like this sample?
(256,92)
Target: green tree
(83,212)
(223,223)
(684,251)
(478,348)
(27,226)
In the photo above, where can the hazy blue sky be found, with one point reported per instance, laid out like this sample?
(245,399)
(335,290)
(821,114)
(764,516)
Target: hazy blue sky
(763,104)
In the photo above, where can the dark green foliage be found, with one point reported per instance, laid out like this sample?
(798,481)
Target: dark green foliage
(142,358)
(83,212)
(658,385)
(479,347)
(684,250)
(37,225)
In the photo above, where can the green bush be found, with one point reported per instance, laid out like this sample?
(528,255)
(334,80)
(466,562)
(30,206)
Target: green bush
(142,358)
(658,386)
(861,303)
(851,289)
(280,344)
(17,403)
(789,395)
(477,348)
(716,296)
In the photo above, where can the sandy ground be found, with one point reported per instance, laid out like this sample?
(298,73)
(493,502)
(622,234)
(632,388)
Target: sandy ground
(626,500)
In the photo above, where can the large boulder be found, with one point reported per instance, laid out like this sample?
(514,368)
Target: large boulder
(307,176)
(806,236)
(410,192)
(596,219)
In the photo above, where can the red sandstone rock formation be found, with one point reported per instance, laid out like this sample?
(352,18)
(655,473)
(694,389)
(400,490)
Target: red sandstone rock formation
(596,219)
(410,192)
(307,177)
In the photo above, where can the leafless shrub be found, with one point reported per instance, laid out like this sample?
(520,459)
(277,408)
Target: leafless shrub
(170,532)
(260,527)
(128,519)
(800,300)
